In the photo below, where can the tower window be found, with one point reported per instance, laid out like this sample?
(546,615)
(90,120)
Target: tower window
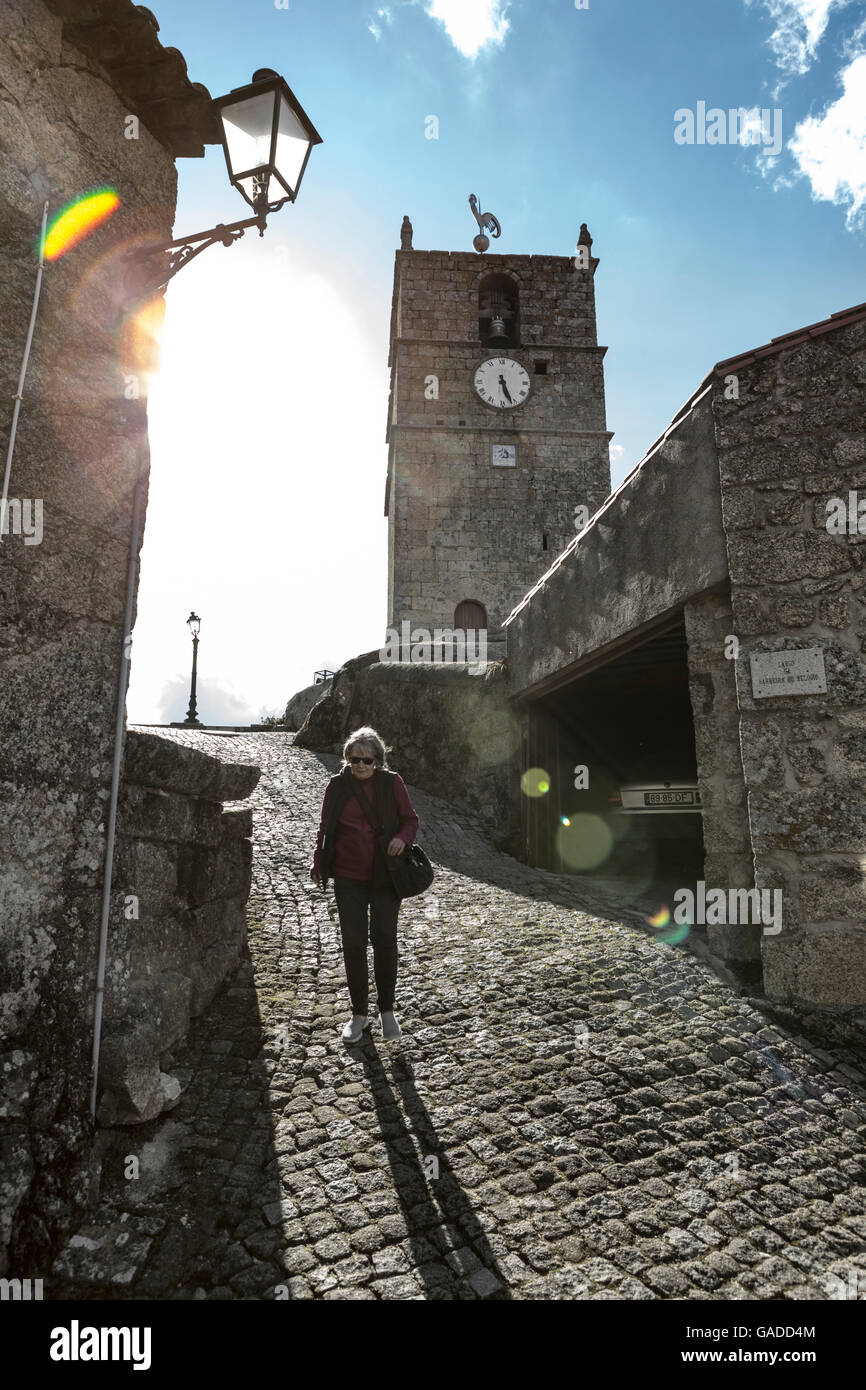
(541,369)
(544,541)
(498,312)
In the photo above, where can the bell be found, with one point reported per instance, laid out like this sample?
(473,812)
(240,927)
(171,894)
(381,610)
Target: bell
(497,308)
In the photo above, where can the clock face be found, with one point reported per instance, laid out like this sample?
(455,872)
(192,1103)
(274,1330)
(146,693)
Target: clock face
(502,382)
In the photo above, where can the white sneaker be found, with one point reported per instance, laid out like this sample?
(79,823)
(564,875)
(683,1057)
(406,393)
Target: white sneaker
(391,1029)
(354,1028)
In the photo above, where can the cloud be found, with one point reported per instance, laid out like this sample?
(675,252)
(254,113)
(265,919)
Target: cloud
(799,29)
(830,149)
(383,16)
(471,24)
(855,43)
(616,452)
(217,702)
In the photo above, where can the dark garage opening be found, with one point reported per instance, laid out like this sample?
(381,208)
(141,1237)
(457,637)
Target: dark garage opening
(629,722)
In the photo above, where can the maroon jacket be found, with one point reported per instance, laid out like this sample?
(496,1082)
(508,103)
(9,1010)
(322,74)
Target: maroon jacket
(354,846)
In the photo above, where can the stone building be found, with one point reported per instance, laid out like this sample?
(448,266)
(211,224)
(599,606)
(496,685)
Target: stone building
(485,472)
(720,627)
(89,99)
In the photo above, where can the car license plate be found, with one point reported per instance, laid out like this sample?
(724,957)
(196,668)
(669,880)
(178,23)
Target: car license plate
(669,798)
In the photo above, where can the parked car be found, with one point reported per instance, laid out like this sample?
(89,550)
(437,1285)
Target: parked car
(657,822)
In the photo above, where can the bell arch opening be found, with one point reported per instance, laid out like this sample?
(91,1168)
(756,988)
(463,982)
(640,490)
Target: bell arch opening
(498,311)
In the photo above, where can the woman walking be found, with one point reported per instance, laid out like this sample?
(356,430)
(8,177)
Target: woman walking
(347,849)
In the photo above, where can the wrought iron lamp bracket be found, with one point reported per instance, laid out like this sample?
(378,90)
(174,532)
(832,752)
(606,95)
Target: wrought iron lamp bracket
(178,253)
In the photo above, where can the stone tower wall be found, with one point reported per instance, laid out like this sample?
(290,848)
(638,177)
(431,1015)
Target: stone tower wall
(459,527)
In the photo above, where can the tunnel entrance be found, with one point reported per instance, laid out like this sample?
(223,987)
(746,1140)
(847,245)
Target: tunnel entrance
(609,773)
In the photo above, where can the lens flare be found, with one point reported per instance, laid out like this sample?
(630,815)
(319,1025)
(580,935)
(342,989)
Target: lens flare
(671,933)
(140,338)
(633,859)
(660,918)
(675,934)
(585,842)
(76,221)
(493,751)
(535,782)
(565,820)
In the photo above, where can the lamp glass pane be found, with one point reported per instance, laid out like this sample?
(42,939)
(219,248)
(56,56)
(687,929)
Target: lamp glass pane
(276,192)
(247,126)
(246,187)
(293,142)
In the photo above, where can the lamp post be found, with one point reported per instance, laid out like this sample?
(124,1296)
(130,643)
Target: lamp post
(192,721)
(267,138)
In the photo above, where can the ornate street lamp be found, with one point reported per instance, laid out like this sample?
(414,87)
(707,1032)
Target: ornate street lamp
(191,721)
(267,138)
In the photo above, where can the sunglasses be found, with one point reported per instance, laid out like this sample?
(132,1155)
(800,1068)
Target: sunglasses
(368,762)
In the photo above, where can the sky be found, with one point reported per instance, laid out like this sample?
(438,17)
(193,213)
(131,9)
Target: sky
(268,414)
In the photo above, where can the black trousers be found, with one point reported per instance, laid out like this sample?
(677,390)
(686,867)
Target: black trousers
(354,898)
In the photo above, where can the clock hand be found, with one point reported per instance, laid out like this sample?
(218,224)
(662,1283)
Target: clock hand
(504,389)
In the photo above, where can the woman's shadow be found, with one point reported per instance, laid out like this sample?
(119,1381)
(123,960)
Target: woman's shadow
(429,1193)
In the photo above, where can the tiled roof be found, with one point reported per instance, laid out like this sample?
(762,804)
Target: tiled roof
(788,340)
(152,80)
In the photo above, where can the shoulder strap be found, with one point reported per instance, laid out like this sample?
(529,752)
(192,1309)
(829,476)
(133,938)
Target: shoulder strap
(365,807)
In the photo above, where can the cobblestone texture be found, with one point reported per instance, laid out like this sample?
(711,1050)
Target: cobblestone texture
(576,1111)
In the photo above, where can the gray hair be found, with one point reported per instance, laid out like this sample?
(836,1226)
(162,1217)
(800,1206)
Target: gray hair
(370,739)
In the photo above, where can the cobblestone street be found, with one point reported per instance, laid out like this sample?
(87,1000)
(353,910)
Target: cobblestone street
(576,1110)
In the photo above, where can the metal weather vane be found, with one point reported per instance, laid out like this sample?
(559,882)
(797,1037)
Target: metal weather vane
(486,222)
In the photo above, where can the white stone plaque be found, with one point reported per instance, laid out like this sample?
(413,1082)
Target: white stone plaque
(799,672)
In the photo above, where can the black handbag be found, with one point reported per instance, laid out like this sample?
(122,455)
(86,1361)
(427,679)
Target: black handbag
(411,872)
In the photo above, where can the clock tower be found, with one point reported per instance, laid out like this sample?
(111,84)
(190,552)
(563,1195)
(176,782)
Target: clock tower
(496,428)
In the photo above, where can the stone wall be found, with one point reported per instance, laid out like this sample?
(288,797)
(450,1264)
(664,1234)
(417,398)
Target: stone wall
(472,531)
(177,926)
(656,543)
(81,451)
(713,692)
(795,438)
(452,733)
(180,887)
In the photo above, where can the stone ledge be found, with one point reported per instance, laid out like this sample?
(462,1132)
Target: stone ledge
(152,761)
(151,814)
